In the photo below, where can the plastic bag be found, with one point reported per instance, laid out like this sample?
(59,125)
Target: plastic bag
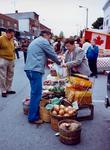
(61,71)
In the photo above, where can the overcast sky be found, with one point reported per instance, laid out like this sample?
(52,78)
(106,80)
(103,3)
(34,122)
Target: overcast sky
(59,15)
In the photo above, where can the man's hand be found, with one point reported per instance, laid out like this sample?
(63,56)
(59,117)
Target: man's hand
(64,65)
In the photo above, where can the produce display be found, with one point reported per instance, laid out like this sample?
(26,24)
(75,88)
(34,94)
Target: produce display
(58,104)
(57,89)
(69,126)
(63,111)
(79,83)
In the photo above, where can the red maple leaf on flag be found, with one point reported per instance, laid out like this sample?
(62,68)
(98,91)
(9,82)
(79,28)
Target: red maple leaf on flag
(98,40)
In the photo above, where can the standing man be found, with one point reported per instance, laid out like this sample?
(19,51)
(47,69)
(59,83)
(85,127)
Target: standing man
(7,56)
(24,46)
(38,52)
(92,55)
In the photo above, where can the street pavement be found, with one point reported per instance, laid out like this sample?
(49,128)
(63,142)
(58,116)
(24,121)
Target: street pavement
(17,134)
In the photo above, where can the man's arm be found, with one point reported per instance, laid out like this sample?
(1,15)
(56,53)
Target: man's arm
(49,51)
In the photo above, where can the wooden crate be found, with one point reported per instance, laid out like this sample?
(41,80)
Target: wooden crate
(90,107)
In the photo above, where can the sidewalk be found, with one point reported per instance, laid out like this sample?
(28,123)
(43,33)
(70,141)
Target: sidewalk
(17,134)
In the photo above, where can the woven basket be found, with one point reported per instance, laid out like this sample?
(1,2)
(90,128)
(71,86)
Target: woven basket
(67,136)
(55,120)
(44,114)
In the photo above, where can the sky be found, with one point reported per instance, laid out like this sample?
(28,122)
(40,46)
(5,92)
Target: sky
(59,15)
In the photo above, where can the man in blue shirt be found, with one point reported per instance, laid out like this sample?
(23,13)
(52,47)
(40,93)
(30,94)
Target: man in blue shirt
(92,55)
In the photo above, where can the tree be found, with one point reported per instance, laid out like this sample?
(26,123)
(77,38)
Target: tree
(98,23)
(61,35)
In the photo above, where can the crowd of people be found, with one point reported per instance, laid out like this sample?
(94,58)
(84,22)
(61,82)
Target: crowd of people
(79,58)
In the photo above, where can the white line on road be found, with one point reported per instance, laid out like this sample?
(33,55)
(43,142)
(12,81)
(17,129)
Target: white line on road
(98,101)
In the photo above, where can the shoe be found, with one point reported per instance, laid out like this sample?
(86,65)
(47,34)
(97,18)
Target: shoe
(11,92)
(36,122)
(4,94)
(91,75)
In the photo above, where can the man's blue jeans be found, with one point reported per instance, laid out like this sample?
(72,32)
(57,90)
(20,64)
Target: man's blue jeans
(35,79)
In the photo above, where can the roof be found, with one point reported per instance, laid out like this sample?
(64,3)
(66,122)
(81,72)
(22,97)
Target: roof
(7,17)
(23,15)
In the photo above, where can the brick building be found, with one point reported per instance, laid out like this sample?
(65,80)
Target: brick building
(8,22)
(43,27)
(29,25)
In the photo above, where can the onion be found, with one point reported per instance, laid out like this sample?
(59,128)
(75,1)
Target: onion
(62,107)
(54,112)
(70,112)
(66,110)
(61,112)
(70,107)
(56,108)
(66,115)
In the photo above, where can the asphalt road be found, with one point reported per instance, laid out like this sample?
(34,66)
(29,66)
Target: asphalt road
(17,134)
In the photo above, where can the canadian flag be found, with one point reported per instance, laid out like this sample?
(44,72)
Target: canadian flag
(101,39)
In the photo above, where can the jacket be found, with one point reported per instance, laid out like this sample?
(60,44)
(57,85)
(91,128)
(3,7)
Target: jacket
(37,53)
(76,59)
(7,49)
(92,52)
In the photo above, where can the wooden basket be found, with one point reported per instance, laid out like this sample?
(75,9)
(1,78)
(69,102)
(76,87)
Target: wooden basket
(44,114)
(55,120)
(69,137)
(44,101)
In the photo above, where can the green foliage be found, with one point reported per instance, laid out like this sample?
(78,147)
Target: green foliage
(98,23)
(61,35)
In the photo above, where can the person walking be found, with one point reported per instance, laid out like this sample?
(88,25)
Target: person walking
(38,52)
(16,44)
(24,46)
(7,56)
(92,55)
(75,59)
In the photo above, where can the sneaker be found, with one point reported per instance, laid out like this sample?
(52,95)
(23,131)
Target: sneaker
(11,92)
(36,122)
(4,94)
(91,75)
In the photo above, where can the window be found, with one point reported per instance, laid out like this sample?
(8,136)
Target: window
(107,21)
(1,22)
(15,25)
(8,23)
